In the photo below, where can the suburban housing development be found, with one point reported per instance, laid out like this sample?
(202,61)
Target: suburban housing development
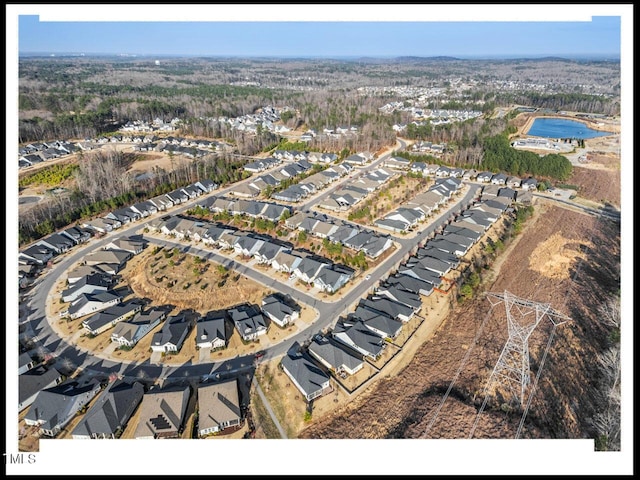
(241,248)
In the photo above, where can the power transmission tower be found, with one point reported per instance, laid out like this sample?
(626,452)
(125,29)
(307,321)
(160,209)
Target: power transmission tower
(523,316)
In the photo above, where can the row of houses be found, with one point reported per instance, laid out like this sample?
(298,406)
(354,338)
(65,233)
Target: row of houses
(33,258)
(213,330)
(90,284)
(130,324)
(313,183)
(315,157)
(311,269)
(364,333)
(442,171)
(193,147)
(122,216)
(35,153)
(161,410)
(269,180)
(250,208)
(349,235)
(355,190)
(158,125)
(409,215)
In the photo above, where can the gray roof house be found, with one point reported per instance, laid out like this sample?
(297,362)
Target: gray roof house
(118,257)
(439,267)
(456,238)
(172,335)
(484,177)
(358,241)
(416,271)
(433,252)
(392,225)
(400,295)
(218,407)
(207,185)
(25,363)
(499,179)
(108,417)
(344,233)
(144,208)
(162,412)
(88,303)
(38,254)
(412,284)
(376,246)
(192,191)
(273,212)
(330,280)
(360,338)
(447,246)
(391,308)
(473,235)
(529,184)
(82,271)
(54,407)
(77,234)
(249,321)
(305,375)
(335,357)
(31,382)
(177,196)
(102,321)
(267,252)
(57,242)
(280,309)
(93,283)
(211,330)
(508,193)
(129,332)
(308,269)
(477,217)
(127,244)
(379,323)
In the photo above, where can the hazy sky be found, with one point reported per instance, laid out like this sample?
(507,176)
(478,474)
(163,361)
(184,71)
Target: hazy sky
(599,36)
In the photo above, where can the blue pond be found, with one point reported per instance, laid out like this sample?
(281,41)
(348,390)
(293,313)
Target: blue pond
(561,128)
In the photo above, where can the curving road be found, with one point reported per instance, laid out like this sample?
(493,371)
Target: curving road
(69,356)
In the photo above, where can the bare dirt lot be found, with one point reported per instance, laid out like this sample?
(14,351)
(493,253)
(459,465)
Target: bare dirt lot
(597,185)
(463,352)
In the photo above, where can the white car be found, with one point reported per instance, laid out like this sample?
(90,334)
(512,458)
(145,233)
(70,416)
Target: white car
(368,277)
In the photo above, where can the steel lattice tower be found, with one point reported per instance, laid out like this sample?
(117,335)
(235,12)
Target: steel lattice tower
(523,316)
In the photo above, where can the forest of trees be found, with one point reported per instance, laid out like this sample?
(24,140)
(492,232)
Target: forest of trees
(500,156)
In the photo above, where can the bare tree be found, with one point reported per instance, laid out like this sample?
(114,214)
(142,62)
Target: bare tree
(610,312)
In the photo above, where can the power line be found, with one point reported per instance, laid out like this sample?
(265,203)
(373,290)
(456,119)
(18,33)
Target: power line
(512,370)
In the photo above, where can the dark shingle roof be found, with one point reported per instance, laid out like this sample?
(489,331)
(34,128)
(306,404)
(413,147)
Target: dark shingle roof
(112,410)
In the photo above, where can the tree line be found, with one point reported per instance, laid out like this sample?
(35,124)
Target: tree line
(103,183)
